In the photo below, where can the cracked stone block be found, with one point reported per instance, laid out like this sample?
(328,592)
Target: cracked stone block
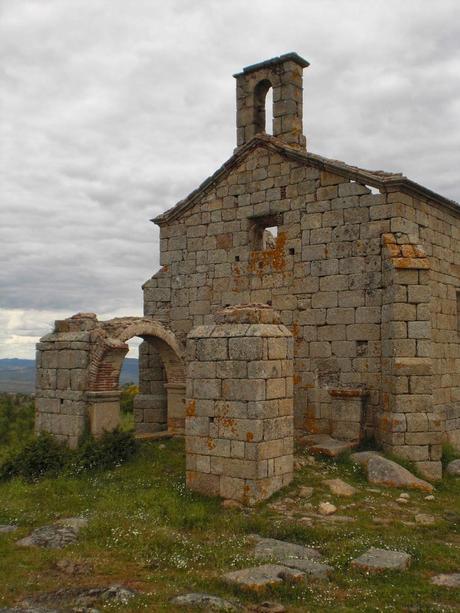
(311,568)
(447,580)
(282,550)
(259,577)
(377,560)
(207,602)
(55,536)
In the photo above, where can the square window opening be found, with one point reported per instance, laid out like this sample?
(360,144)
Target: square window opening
(264,232)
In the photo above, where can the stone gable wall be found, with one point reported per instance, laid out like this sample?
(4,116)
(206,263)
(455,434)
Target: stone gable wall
(324,274)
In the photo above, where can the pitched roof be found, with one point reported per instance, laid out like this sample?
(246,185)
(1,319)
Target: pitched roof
(384,181)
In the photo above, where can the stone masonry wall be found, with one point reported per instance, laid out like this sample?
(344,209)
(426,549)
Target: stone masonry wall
(324,274)
(62,362)
(239,423)
(437,229)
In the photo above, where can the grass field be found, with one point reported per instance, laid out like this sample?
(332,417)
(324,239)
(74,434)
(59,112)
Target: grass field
(146,531)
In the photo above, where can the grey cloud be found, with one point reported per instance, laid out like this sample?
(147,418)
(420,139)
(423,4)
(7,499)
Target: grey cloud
(112,111)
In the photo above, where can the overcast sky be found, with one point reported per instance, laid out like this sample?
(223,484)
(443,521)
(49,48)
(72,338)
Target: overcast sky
(111,111)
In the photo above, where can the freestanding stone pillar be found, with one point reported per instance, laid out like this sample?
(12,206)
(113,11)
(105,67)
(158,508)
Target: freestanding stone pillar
(239,410)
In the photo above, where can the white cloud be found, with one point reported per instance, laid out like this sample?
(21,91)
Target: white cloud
(112,111)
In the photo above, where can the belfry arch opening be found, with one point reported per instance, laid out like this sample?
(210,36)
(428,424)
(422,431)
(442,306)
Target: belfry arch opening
(263,107)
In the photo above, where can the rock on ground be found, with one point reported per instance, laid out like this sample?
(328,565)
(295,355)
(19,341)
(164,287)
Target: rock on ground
(377,560)
(260,577)
(79,597)
(453,468)
(447,580)
(382,471)
(282,550)
(339,487)
(363,457)
(424,519)
(311,568)
(326,508)
(305,492)
(207,602)
(5,528)
(55,536)
(73,567)
(266,607)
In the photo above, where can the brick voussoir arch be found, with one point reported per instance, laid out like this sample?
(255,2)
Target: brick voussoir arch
(110,348)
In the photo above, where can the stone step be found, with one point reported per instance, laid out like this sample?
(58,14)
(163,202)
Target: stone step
(323,444)
(153,436)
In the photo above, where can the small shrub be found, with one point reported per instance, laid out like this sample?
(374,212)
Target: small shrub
(448,454)
(45,456)
(128,392)
(111,449)
(42,456)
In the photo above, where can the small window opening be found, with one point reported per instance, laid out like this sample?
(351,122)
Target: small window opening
(263,99)
(237,258)
(291,251)
(361,348)
(264,232)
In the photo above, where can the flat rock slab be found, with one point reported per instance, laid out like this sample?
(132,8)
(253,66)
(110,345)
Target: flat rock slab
(208,602)
(447,580)
(453,468)
(378,560)
(382,471)
(79,597)
(363,457)
(28,610)
(5,528)
(260,577)
(55,536)
(339,487)
(311,568)
(282,550)
(424,519)
(324,444)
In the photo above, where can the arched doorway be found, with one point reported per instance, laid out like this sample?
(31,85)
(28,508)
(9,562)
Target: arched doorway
(160,405)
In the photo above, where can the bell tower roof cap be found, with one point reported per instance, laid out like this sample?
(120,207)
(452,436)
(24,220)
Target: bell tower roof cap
(286,57)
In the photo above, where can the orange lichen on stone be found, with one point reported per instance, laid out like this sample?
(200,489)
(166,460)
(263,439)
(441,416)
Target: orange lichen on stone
(411,263)
(388,239)
(408,251)
(297,379)
(295,330)
(224,241)
(228,422)
(211,444)
(249,437)
(190,409)
(273,258)
(394,250)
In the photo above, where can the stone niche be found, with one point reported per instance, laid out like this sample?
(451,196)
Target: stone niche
(239,409)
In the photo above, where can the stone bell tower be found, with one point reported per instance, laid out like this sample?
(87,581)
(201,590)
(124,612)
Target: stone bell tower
(284,75)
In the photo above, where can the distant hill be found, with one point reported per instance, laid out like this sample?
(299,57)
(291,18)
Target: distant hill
(18,375)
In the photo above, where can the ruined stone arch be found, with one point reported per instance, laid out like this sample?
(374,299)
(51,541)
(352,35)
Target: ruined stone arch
(78,371)
(110,348)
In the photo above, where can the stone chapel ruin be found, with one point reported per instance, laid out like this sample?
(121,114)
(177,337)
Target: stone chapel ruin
(297,295)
